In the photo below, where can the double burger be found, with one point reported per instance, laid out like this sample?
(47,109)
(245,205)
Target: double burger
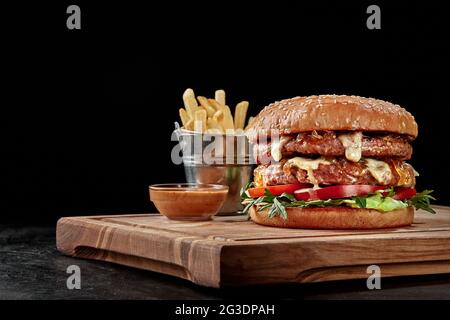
(333,162)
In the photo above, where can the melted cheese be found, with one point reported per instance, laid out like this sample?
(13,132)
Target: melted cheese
(309,165)
(275,147)
(352,143)
(405,178)
(380,170)
(258,179)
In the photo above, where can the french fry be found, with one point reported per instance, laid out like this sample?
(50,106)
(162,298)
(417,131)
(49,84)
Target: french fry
(227,120)
(216,105)
(214,126)
(190,103)
(220,96)
(205,104)
(249,122)
(200,120)
(213,131)
(218,115)
(212,115)
(189,125)
(184,116)
(240,112)
(203,101)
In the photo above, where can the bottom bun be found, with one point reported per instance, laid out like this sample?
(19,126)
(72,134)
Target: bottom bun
(335,218)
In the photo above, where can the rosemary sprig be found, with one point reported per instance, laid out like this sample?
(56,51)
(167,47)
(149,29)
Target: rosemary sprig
(422,201)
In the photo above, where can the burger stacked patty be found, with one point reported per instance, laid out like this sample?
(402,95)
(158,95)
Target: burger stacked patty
(328,144)
(322,159)
(338,171)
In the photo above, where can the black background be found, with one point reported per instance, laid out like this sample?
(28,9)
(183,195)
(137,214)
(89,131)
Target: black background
(86,115)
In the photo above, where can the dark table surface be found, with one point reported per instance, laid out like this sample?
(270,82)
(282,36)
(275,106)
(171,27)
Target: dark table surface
(32,268)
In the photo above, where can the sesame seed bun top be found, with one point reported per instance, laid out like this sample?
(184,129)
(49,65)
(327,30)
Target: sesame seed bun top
(333,113)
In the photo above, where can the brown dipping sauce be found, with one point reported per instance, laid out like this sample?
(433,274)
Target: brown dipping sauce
(188,201)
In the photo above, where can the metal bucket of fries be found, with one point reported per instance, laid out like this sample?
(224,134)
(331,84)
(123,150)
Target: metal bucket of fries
(214,147)
(217,159)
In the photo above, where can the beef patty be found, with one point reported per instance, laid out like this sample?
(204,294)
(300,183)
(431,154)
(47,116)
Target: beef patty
(334,171)
(328,144)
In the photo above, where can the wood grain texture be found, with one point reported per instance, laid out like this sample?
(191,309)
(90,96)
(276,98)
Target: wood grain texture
(233,251)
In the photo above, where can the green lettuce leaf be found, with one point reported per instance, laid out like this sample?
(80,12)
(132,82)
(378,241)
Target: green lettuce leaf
(384,204)
(277,204)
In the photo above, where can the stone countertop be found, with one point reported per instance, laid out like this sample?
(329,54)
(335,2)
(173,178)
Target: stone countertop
(32,268)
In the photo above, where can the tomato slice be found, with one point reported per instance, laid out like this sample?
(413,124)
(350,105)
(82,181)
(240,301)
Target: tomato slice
(404,193)
(276,190)
(334,192)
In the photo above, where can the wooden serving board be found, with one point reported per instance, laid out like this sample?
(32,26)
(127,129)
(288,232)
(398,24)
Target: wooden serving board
(234,251)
